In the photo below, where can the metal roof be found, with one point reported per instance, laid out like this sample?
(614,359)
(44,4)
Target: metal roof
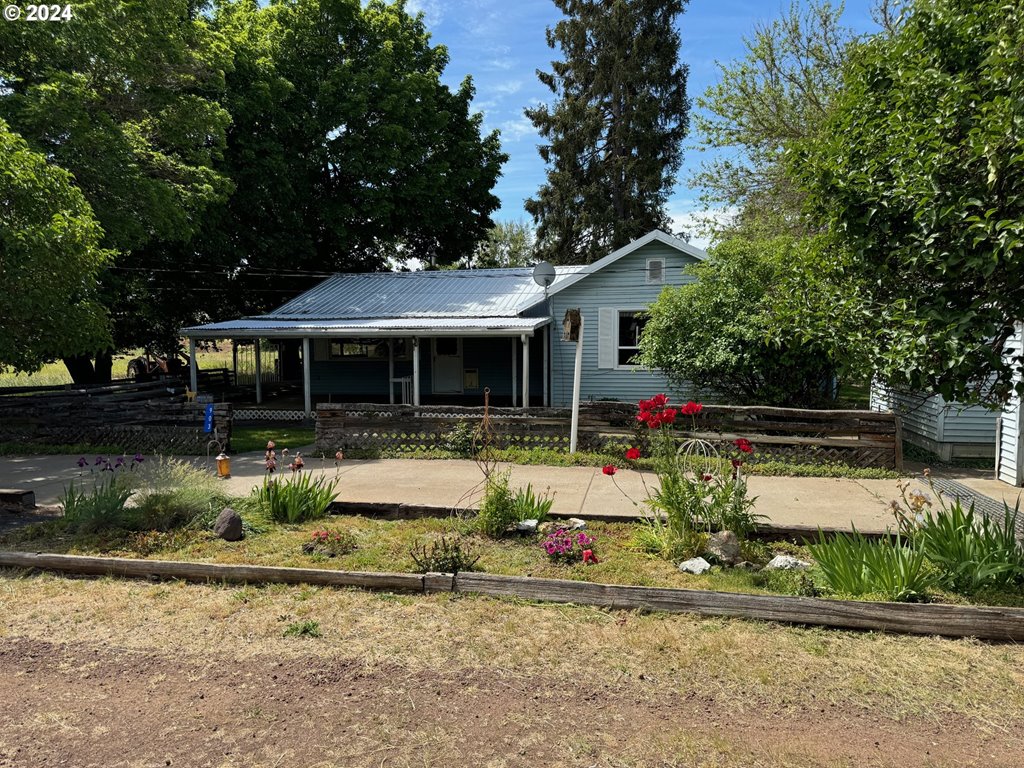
(267,327)
(447,293)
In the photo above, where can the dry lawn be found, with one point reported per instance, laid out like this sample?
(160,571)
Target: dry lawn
(447,680)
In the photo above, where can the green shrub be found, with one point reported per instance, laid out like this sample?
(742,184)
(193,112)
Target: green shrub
(459,440)
(448,554)
(498,511)
(530,506)
(303,497)
(307,628)
(971,552)
(891,568)
(100,509)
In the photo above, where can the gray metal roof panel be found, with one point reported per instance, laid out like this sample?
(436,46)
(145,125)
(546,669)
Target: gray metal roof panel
(267,326)
(446,293)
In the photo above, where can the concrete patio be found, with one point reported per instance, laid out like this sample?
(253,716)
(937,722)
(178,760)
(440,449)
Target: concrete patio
(583,491)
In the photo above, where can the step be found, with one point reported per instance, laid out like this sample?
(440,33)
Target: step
(17,497)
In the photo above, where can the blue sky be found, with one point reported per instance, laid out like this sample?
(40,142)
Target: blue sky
(501,44)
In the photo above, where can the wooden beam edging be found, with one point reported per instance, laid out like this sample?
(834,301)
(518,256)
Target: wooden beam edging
(986,623)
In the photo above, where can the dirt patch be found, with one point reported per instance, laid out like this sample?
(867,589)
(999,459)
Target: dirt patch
(96,704)
(13,517)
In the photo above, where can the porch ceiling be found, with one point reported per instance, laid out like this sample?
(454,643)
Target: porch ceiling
(269,328)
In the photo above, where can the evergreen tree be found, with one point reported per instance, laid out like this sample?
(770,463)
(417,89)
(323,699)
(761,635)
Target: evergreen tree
(613,139)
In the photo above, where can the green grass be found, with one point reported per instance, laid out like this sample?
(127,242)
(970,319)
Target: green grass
(245,439)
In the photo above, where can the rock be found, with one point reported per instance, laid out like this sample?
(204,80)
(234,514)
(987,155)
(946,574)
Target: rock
(786,563)
(574,524)
(696,566)
(228,525)
(724,547)
(548,527)
(746,565)
(527,526)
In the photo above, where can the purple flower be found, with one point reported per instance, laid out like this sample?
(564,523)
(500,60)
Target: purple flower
(119,462)
(99,460)
(82,462)
(138,458)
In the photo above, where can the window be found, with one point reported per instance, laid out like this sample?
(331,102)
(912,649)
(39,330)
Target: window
(366,349)
(656,271)
(631,325)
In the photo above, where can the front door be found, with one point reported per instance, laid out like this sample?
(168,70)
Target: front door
(446,364)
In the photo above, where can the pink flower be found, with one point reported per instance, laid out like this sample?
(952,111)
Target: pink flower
(633,454)
(609,469)
(271,445)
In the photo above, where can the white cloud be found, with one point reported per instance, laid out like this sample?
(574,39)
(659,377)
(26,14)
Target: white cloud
(433,10)
(691,217)
(516,129)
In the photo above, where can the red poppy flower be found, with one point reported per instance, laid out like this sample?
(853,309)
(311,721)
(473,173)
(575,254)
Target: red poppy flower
(668,416)
(706,477)
(633,454)
(736,463)
(743,444)
(609,469)
(646,405)
(589,556)
(643,416)
(654,421)
(659,400)
(691,409)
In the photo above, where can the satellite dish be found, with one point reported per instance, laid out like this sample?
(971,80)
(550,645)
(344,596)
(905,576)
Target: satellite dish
(543,274)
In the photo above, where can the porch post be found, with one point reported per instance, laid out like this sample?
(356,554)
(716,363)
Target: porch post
(234,362)
(415,370)
(193,374)
(307,387)
(259,372)
(390,371)
(546,341)
(526,371)
(514,356)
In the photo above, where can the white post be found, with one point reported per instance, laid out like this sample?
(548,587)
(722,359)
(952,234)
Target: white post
(546,341)
(193,373)
(391,371)
(515,386)
(574,428)
(526,371)
(259,372)
(415,370)
(307,366)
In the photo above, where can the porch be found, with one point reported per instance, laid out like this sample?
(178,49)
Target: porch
(292,373)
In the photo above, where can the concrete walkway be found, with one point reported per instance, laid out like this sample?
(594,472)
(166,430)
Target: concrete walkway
(828,502)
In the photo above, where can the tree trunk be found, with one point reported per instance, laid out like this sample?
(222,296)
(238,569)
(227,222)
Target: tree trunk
(104,366)
(80,368)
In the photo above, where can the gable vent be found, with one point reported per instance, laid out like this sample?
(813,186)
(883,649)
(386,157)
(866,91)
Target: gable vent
(655,270)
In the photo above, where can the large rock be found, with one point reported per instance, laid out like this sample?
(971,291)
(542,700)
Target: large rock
(696,566)
(724,547)
(527,526)
(786,563)
(228,525)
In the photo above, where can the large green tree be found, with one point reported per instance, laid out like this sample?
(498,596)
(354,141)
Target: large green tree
(50,257)
(613,138)
(917,173)
(777,93)
(125,96)
(508,244)
(713,333)
(346,149)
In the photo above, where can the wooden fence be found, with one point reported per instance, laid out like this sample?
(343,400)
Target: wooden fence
(855,438)
(151,416)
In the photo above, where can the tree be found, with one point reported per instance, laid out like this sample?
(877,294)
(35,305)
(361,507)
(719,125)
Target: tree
(346,150)
(713,333)
(917,175)
(125,98)
(50,257)
(779,92)
(508,244)
(613,139)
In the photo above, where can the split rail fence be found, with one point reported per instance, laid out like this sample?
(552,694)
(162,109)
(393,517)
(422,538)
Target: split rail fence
(147,417)
(854,438)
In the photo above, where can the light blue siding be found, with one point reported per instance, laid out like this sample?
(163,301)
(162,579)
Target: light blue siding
(621,285)
(1010,456)
(949,429)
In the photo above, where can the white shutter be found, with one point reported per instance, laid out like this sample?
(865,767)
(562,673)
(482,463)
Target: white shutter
(607,336)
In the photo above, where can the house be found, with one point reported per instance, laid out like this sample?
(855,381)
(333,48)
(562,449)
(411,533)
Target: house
(954,431)
(445,336)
